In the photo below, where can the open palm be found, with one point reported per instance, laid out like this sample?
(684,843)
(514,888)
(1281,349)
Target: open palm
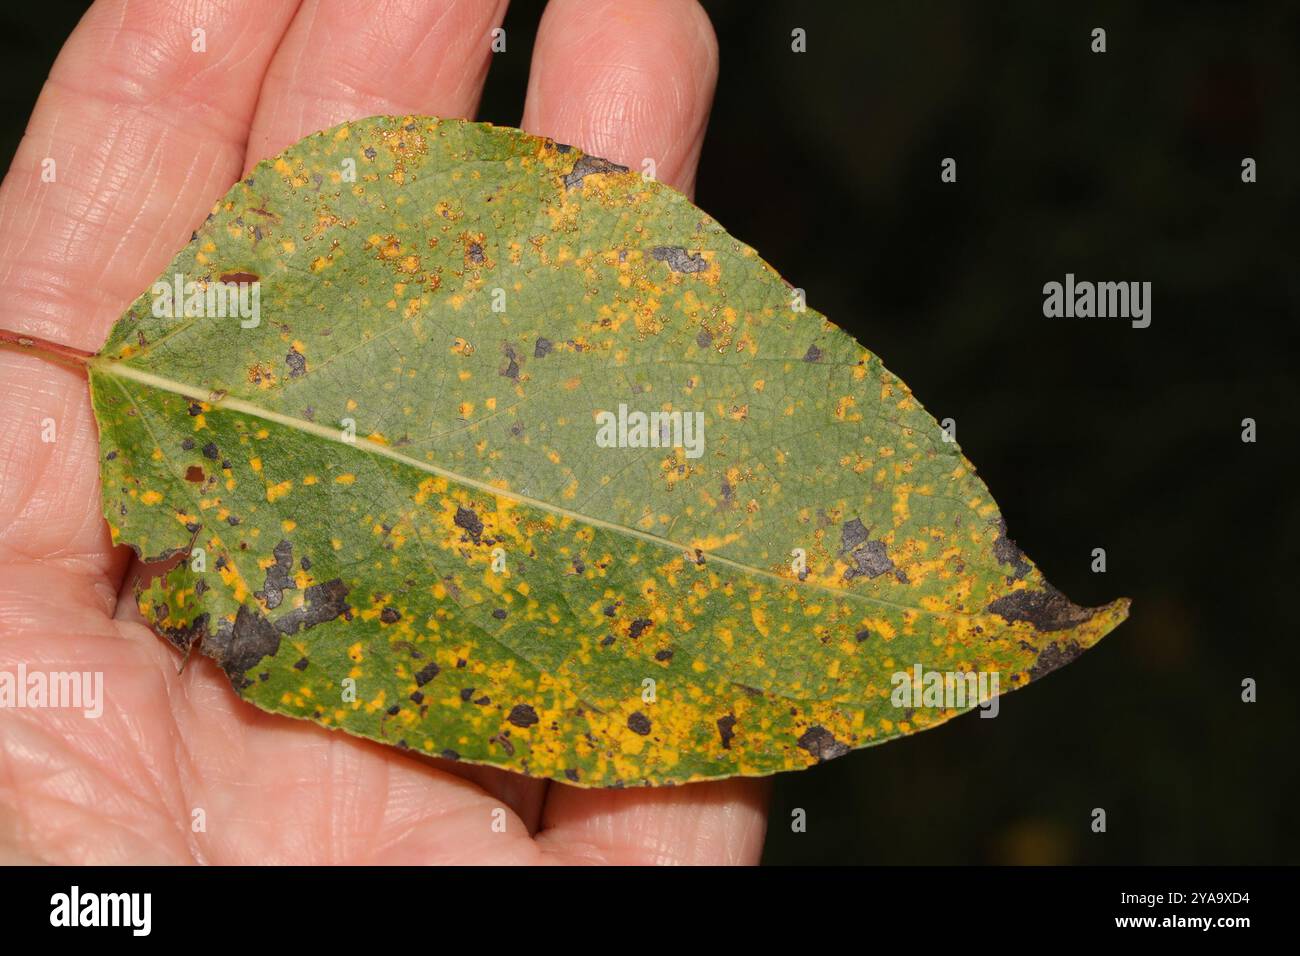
(145,133)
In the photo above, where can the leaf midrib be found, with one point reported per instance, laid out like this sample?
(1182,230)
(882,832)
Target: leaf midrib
(119,370)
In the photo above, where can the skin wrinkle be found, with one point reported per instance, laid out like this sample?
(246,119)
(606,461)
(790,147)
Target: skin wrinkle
(132,184)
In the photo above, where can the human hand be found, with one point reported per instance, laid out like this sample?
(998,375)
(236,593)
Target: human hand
(146,134)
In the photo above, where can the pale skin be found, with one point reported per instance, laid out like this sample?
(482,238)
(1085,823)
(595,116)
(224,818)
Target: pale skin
(146,134)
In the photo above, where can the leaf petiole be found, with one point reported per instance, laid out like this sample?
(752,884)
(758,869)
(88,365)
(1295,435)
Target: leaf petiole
(52,351)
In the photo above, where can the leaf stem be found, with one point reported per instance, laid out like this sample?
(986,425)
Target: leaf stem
(51,351)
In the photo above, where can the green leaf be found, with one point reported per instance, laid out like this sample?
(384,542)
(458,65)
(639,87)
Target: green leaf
(496,584)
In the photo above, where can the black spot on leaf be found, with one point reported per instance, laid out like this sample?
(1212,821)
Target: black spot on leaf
(585,166)
(427,673)
(726,727)
(522,715)
(821,743)
(467,519)
(239,646)
(323,602)
(679,260)
(1053,656)
(852,534)
(1046,610)
(1006,551)
(185,636)
(868,558)
(277,576)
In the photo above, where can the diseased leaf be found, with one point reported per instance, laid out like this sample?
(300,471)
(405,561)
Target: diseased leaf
(486,571)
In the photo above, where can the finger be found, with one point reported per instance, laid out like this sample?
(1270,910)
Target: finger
(345,61)
(627,80)
(139,129)
(700,823)
(631,80)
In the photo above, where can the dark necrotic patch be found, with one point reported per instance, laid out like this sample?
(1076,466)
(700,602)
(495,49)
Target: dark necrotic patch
(868,558)
(638,627)
(427,673)
(585,166)
(638,723)
(390,615)
(852,534)
(1006,551)
(467,519)
(277,576)
(184,636)
(323,602)
(1053,656)
(814,354)
(297,363)
(522,715)
(238,647)
(1046,610)
(821,743)
(726,730)
(871,560)
(679,260)
(543,348)
(511,369)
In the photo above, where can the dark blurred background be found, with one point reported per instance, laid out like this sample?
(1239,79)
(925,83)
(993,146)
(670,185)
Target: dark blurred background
(1117,166)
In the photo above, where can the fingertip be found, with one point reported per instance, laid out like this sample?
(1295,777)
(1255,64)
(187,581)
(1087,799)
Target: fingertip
(628,80)
(714,823)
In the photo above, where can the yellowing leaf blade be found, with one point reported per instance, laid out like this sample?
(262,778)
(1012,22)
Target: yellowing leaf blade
(524,461)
